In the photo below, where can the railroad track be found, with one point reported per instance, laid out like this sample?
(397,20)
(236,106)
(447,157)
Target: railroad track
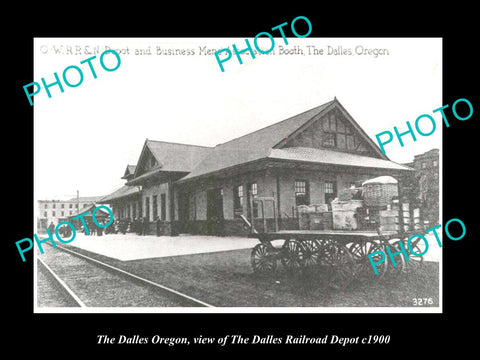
(63,293)
(89,282)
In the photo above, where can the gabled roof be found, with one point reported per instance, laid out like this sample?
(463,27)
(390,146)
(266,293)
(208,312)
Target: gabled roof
(170,157)
(265,142)
(129,171)
(253,146)
(337,105)
(124,191)
(177,157)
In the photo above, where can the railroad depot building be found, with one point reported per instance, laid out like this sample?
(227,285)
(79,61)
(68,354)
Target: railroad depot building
(306,159)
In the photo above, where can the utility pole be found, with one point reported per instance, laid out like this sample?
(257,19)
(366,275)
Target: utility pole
(78,204)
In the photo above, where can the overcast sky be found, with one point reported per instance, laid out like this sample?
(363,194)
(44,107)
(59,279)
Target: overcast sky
(85,136)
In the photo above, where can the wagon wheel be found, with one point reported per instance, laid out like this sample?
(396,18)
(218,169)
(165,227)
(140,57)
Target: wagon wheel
(312,252)
(293,257)
(414,262)
(360,251)
(320,259)
(326,249)
(263,261)
(400,262)
(342,265)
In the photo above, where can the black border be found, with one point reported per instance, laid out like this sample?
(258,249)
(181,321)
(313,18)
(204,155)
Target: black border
(68,334)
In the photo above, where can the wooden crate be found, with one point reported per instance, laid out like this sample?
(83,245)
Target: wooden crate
(315,221)
(303,221)
(389,220)
(327,220)
(344,220)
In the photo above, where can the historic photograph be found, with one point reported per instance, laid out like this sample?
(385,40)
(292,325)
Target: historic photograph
(301,180)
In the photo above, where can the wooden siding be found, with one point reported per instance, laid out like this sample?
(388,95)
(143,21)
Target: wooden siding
(332,131)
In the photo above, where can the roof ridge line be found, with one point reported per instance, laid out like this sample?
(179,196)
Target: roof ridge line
(274,124)
(177,143)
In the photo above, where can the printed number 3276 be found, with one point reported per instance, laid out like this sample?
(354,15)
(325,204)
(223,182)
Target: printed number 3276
(422,301)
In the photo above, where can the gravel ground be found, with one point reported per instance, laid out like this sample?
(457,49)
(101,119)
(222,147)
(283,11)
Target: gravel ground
(50,292)
(97,287)
(225,279)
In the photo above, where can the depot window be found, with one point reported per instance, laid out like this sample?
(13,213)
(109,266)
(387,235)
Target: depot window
(253,191)
(301,192)
(238,199)
(330,191)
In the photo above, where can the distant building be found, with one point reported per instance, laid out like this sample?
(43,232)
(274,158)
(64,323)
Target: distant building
(55,211)
(425,182)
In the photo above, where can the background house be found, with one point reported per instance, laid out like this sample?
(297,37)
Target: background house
(423,185)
